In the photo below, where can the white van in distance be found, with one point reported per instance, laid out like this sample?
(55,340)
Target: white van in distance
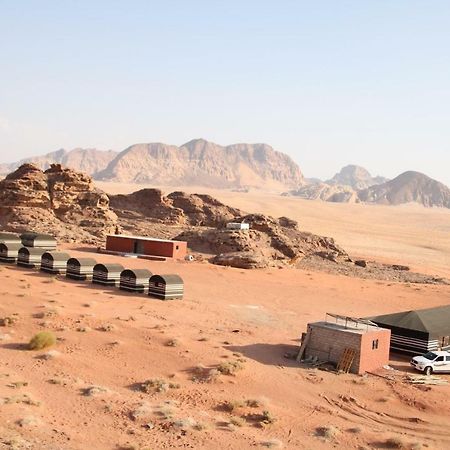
(438,361)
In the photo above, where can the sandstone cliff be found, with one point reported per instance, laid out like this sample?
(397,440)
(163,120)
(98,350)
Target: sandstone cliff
(58,201)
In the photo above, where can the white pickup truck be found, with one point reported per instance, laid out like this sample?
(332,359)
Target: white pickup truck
(438,361)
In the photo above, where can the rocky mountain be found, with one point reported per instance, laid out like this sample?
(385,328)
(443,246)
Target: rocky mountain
(58,201)
(328,193)
(86,160)
(199,162)
(408,187)
(356,177)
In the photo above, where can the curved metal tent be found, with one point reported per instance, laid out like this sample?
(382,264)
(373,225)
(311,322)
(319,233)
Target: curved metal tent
(166,287)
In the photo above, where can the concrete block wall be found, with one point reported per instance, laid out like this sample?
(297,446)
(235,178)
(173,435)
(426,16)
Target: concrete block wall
(329,343)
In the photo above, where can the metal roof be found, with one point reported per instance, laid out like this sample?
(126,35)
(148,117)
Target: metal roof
(142,238)
(59,256)
(139,273)
(109,267)
(12,245)
(167,278)
(32,235)
(33,250)
(84,261)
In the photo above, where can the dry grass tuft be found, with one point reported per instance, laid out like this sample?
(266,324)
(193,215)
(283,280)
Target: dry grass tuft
(157,385)
(272,443)
(173,343)
(42,340)
(9,321)
(230,367)
(203,374)
(328,433)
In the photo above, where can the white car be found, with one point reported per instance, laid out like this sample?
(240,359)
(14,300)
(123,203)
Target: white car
(438,361)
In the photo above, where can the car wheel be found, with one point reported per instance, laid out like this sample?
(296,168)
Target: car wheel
(428,370)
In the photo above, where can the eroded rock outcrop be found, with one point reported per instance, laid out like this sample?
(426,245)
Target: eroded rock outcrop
(58,201)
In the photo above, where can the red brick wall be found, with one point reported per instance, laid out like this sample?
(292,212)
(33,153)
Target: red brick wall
(175,249)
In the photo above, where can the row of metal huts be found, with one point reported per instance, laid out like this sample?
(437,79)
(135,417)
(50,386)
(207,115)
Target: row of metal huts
(35,250)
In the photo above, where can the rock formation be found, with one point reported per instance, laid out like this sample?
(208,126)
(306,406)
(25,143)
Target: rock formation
(356,177)
(408,187)
(326,192)
(58,201)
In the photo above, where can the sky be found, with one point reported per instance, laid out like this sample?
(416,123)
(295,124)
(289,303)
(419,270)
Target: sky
(328,82)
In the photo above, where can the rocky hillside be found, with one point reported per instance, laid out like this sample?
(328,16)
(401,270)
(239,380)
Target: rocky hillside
(408,187)
(200,162)
(356,177)
(86,160)
(328,193)
(58,201)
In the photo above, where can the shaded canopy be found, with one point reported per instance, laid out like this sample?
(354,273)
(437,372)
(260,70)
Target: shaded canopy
(434,321)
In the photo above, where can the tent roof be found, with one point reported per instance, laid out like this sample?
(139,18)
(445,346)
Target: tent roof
(168,278)
(83,261)
(435,321)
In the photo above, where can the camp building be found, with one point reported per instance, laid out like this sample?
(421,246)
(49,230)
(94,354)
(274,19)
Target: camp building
(30,257)
(352,344)
(142,245)
(417,331)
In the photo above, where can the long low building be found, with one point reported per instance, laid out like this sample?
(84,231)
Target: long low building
(417,331)
(149,246)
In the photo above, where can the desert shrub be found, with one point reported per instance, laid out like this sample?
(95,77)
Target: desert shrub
(395,442)
(9,321)
(231,405)
(158,385)
(230,367)
(42,340)
(202,374)
(272,443)
(237,421)
(327,433)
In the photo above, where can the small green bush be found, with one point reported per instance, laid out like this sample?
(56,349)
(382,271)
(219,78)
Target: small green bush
(42,340)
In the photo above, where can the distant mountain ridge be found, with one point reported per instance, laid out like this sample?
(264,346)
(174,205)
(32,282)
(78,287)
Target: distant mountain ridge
(408,187)
(87,160)
(206,163)
(198,162)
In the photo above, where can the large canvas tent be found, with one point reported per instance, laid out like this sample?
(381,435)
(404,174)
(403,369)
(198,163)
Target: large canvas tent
(417,331)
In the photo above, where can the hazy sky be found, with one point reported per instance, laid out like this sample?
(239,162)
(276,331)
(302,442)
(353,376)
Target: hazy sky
(328,82)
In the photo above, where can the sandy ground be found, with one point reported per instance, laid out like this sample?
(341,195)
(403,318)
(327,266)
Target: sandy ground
(115,341)
(227,314)
(408,234)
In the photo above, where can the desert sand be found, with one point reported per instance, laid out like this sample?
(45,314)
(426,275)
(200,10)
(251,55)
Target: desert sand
(88,395)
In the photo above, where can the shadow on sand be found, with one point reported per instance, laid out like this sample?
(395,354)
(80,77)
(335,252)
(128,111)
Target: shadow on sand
(268,354)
